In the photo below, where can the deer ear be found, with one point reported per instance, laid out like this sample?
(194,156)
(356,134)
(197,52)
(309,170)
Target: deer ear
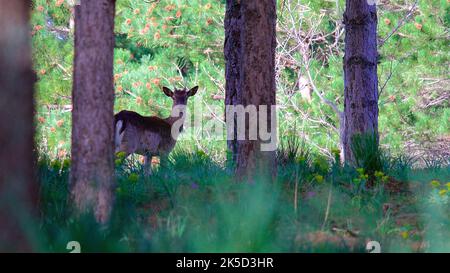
(193,91)
(167,91)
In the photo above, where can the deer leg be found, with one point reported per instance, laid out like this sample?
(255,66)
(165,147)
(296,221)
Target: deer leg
(148,164)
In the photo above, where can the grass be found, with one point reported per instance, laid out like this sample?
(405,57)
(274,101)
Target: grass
(192,204)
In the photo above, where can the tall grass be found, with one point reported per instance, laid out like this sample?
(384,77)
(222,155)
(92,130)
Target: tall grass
(192,204)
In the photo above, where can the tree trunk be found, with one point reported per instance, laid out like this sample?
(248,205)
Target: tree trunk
(250,76)
(360,73)
(233,91)
(93,108)
(18,188)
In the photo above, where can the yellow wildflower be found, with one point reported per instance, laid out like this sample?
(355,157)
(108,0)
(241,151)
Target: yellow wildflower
(442,192)
(319,178)
(435,184)
(121,155)
(404,235)
(379,174)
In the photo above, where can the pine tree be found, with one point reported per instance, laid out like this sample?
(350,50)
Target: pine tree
(18,188)
(360,73)
(232,49)
(251,77)
(93,108)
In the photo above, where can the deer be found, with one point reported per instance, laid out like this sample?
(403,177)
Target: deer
(152,136)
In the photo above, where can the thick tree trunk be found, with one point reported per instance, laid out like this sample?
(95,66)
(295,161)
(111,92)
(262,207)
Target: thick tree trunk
(250,75)
(233,91)
(93,108)
(360,73)
(18,189)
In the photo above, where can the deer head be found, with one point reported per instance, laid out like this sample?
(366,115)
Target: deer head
(180,98)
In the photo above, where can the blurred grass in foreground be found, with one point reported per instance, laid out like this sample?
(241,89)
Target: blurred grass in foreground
(193,205)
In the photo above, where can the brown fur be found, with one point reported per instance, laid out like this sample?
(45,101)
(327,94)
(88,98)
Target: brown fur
(153,123)
(149,136)
(145,135)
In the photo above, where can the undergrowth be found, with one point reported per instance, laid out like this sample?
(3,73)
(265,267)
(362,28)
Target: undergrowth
(193,204)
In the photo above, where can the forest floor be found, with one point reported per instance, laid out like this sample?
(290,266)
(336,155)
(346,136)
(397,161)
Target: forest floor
(193,204)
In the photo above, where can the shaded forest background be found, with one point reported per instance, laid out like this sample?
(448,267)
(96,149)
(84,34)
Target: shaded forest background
(176,43)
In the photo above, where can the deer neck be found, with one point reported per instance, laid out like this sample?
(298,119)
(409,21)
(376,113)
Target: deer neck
(178,114)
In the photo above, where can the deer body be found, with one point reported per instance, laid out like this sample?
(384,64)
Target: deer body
(151,136)
(142,135)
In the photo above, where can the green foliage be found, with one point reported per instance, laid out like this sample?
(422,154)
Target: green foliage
(177,43)
(367,153)
(192,204)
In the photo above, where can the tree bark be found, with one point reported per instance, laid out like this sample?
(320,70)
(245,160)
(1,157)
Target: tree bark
(250,76)
(93,108)
(232,48)
(360,73)
(18,188)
